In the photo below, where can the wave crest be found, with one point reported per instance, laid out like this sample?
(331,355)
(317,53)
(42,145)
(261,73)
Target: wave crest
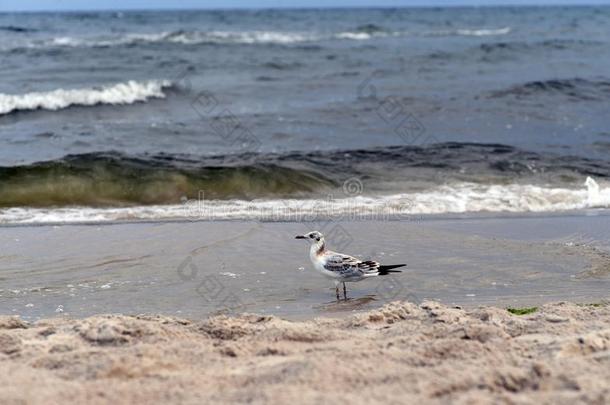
(454,199)
(109,179)
(121,93)
(195,37)
(484,32)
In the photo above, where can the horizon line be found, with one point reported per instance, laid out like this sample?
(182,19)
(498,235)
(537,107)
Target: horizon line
(296,8)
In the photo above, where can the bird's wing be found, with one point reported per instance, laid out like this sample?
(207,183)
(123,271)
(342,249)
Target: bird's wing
(349,266)
(369,267)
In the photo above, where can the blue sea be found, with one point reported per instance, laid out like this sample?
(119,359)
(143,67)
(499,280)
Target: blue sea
(280,115)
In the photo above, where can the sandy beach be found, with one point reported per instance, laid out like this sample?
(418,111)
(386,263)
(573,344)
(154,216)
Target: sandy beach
(143,312)
(401,353)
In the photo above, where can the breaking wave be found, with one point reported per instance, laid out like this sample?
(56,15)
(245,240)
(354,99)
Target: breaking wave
(191,37)
(185,37)
(471,32)
(377,182)
(449,199)
(484,32)
(112,179)
(121,93)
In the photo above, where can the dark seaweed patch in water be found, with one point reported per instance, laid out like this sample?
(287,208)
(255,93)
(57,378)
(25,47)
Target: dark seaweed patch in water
(576,89)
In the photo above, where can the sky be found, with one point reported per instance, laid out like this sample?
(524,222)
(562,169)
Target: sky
(63,5)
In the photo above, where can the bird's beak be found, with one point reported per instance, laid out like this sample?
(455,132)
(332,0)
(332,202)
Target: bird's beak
(300,237)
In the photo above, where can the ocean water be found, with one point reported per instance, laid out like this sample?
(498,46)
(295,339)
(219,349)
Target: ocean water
(297,114)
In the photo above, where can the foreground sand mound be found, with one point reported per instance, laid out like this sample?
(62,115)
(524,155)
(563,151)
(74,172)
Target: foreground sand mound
(401,353)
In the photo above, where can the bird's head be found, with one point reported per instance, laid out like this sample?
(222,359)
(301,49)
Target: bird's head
(313,237)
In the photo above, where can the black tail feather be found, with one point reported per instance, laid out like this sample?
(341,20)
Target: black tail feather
(385,270)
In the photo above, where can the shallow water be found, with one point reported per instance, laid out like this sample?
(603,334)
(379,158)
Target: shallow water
(194,269)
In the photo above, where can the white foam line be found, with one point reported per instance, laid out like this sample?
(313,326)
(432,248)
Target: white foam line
(203,37)
(484,32)
(119,93)
(241,37)
(459,198)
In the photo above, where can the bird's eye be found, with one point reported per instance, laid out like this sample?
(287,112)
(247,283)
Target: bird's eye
(310,236)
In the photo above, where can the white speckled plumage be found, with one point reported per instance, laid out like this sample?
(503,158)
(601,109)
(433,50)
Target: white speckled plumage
(342,268)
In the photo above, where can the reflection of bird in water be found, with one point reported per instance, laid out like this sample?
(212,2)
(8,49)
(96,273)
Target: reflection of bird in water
(343,268)
(347,305)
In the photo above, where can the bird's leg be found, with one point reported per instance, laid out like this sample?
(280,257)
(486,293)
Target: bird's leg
(337,291)
(344,292)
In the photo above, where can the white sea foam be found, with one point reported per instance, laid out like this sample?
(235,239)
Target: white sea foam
(240,37)
(361,36)
(225,37)
(458,198)
(201,37)
(358,36)
(484,32)
(470,32)
(120,93)
(181,37)
(245,37)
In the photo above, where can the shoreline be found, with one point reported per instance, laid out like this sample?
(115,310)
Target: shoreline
(355,208)
(482,215)
(399,353)
(194,269)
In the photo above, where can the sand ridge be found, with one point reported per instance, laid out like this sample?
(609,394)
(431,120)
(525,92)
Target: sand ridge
(401,353)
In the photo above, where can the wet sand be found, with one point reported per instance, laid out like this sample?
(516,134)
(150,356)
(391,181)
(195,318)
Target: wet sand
(197,269)
(401,353)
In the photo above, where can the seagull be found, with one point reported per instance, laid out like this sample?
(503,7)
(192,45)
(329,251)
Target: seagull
(342,268)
